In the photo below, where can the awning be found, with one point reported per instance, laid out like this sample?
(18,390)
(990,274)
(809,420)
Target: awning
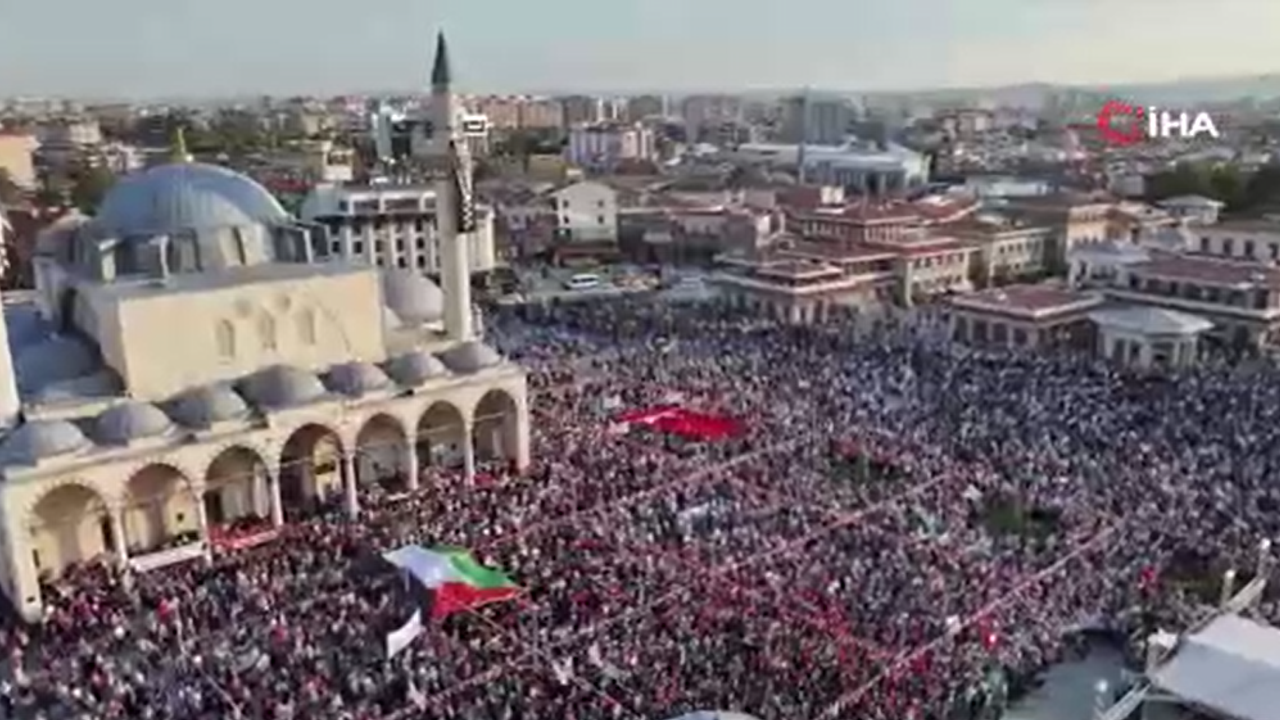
(1231,667)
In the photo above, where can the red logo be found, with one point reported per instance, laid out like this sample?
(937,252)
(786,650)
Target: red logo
(1120,123)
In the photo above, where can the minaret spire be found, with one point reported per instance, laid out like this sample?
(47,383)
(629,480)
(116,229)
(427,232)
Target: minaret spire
(178,153)
(440,75)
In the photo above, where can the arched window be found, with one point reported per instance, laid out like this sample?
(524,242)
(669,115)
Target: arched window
(267,332)
(226,338)
(307,326)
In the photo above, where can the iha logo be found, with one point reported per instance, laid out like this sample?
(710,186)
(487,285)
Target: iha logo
(1120,123)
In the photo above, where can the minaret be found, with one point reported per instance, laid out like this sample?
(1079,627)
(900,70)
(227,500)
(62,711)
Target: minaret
(10,404)
(804,138)
(178,153)
(455,203)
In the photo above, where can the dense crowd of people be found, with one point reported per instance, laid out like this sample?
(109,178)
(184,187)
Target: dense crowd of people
(897,519)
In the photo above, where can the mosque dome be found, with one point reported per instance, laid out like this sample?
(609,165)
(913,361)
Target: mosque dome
(416,368)
(283,386)
(411,296)
(357,378)
(33,442)
(202,407)
(126,423)
(181,197)
(470,357)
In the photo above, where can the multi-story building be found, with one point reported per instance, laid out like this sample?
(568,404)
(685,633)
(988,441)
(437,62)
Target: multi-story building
(1193,208)
(603,146)
(642,107)
(1078,219)
(864,169)
(17,158)
(701,112)
(503,111)
(1009,247)
(815,120)
(586,212)
(1257,240)
(579,109)
(393,226)
(541,114)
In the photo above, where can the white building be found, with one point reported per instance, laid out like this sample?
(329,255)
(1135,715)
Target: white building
(1254,240)
(865,169)
(1193,208)
(604,145)
(189,363)
(393,226)
(586,212)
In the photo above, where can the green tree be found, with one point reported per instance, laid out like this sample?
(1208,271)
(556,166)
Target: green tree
(88,186)
(10,193)
(1262,190)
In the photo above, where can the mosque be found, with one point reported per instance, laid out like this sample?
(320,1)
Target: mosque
(192,359)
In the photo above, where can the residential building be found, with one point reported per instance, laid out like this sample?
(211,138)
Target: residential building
(603,146)
(586,212)
(644,107)
(393,226)
(17,158)
(542,114)
(579,110)
(815,120)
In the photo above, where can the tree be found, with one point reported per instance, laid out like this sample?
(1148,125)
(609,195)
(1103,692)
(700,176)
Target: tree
(10,193)
(88,186)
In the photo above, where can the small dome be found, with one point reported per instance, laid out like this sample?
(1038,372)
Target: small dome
(416,368)
(412,296)
(357,379)
(125,423)
(32,442)
(203,407)
(283,386)
(470,357)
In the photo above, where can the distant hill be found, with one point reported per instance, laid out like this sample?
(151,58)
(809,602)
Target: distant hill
(1199,90)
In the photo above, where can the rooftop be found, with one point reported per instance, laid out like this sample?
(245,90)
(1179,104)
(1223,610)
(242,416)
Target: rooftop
(1231,667)
(1210,271)
(1028,300)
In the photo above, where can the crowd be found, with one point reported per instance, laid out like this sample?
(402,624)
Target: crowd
(898,519)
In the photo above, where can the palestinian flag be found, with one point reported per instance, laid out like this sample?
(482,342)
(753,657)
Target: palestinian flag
(464,584)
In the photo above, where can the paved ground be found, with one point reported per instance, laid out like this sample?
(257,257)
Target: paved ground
(1068,693)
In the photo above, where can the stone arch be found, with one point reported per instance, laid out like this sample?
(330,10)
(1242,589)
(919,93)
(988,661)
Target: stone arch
(310,466)
(159,506)
(496,426)
(441,435)
(235,486)
(382,451)
(69,523)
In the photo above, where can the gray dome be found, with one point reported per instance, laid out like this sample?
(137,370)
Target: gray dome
(470,357)
(283,386)
(357,379)
(169,199)
(32,442)
(202,407)
(412,296)
(416,368)
(125,423)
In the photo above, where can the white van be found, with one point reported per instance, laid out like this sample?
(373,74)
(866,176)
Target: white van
(583,281)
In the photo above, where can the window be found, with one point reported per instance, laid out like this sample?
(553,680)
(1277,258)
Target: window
(1275,251)
(1204,245)
(600,219)
(357,248)
(1019,337)
(1228,247)
(422,261)
(402,262)
(267,332)
(1248,248)
(226,338)
(307,327)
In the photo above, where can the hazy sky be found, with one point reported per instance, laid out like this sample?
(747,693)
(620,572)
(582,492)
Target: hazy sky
(221,47)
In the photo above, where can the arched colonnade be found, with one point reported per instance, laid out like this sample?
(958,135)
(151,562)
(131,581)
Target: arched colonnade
(164,505)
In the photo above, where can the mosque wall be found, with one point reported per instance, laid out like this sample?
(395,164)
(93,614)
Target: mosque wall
(179,340)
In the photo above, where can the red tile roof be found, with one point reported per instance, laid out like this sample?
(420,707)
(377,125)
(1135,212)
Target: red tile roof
(1027,299)
(1210,271)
